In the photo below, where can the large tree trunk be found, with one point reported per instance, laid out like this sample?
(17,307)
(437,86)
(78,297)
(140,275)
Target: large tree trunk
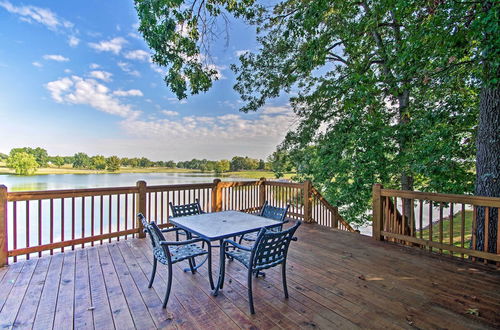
(488,163)
(406,177)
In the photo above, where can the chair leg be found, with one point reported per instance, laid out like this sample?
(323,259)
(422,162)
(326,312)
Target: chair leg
(169,286)
(177,236)
(250,294)
(283,275)
(153,273)
(192,265)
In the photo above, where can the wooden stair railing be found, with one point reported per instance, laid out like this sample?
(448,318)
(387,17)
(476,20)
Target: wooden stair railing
(336,221)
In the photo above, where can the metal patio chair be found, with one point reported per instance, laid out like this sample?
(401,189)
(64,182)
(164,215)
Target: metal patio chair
(271,212)
(171,252)
(270,249)
(185,210)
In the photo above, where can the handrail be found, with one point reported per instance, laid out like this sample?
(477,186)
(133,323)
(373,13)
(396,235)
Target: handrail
(38,222)
(335,212)
(444,223)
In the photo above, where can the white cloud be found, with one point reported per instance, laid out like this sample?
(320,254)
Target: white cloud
(102,75)
(114,45)
(130,92)
(67,71)
(32,14)
(94,66)
(230,133)
(135,35)
(270,110)
(77,90)
(238,53)
(73,41)
(126,68)
(169,113)
(176,100)
(37,64)
(57,58)
(137,54)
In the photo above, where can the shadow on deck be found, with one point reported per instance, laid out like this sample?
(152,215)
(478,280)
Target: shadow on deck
(335,279)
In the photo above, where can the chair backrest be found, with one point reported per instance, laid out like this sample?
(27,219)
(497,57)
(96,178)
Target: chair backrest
(154,233)
(271,247)
(186,209)
(273,212)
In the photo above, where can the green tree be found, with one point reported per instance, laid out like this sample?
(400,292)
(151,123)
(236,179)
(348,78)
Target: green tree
(81,160)
(98,162)
(3,156)
(40,154)
(22,162)
(113,163)
(222,166)
(262,164)
(58,161)
(387,91)
(280,163)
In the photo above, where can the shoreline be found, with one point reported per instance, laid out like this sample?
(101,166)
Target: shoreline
(252,174)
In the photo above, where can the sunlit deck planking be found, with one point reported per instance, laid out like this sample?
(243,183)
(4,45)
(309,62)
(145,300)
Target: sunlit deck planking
(336,280)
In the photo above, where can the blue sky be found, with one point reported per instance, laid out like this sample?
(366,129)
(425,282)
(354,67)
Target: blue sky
(76,76)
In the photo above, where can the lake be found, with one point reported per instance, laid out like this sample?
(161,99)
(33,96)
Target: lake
(80,181)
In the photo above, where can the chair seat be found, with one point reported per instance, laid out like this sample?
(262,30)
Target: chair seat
(240,255)
(252,237)
(178,253)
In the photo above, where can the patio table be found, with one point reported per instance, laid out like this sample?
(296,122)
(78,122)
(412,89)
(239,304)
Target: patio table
(221,225)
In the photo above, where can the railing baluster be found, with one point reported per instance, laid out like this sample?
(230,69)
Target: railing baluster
(451,227)
(14,228)
(134,213)
(40,225)
(101,225)
(62,221)
(118,215)
(430,224)
(126,213)
(27,227)
(92,220)
(51,225)
(441,225)
(486,228)
(462,230)
(72,221)
(83,220)
(110,221)
(421,216)
(161,205)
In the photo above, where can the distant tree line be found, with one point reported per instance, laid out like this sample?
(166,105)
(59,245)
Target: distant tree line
(26,160)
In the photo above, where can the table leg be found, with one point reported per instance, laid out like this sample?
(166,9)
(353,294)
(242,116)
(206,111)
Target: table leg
(222,269)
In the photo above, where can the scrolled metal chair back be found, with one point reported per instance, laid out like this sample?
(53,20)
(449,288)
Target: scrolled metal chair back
(271,247)
(273,212)
(186,209)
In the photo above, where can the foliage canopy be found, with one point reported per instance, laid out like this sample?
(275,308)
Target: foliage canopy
(385,91)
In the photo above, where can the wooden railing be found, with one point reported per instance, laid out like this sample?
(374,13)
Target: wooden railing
(36,222)
(442,223)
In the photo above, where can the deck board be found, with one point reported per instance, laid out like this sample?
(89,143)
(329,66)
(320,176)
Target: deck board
(335,280)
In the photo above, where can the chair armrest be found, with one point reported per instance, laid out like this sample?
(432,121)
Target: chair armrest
(239,246)
(166,230)
(189,241)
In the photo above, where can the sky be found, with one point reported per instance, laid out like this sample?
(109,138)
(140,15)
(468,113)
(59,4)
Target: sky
(76,76)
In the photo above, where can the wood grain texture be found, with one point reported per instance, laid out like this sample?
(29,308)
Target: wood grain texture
(336,280)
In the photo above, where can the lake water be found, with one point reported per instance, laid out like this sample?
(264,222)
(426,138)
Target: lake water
(79,181)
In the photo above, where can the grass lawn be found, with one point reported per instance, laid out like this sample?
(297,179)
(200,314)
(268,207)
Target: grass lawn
(457,225)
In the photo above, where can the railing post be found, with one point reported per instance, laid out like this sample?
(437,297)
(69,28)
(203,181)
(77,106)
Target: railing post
(217,196)
(377,220)
(4,247)
(262,192)
(335,222)
(307,201)
(141,207)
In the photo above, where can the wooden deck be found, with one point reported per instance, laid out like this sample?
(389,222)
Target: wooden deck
(336,280)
